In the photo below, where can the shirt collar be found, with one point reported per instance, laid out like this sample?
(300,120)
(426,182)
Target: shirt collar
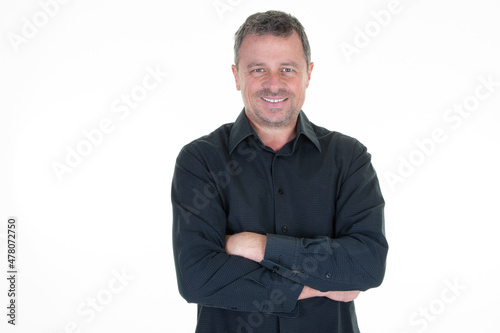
(305,127)
(242,129)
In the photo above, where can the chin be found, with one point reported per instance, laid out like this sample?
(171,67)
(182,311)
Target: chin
(277,121)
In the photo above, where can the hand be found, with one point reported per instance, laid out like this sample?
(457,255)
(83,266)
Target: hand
(247,245)
(339,296)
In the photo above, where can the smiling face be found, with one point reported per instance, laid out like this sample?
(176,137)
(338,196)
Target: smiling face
(273,76)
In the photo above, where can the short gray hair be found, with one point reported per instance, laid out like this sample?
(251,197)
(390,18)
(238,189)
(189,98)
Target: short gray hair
(272,22)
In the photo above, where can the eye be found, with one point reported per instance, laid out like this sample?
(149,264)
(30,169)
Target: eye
(287,70)
(258,70)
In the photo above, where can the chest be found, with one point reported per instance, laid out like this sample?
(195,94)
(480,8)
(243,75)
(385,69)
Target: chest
(289,195)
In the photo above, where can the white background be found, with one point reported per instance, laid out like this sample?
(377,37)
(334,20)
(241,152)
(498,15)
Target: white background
(112,212)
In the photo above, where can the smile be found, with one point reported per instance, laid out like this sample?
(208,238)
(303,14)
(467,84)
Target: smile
(274,100)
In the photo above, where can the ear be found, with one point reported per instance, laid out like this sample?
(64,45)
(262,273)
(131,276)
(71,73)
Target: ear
(235,73)
(309,70)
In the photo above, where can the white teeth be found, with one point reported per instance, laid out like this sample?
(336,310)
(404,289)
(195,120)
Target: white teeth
(274,100)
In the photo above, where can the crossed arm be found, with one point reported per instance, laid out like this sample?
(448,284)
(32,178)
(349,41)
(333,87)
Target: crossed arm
(252,246)
(261,269)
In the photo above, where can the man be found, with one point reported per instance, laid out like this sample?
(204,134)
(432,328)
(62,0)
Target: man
(278,223)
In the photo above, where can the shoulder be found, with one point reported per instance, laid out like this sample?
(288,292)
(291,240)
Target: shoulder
(337,142)
(209,146)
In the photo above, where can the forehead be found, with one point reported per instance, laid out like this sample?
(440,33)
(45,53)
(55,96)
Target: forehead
(267,48)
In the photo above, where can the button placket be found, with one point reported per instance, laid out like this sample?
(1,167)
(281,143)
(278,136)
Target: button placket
(278,195)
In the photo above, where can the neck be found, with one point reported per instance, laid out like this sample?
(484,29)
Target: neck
(275,137)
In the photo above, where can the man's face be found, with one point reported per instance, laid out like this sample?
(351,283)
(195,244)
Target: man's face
(273,77)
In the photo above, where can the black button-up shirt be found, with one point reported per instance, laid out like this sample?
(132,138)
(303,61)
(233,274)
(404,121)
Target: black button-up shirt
(318,201)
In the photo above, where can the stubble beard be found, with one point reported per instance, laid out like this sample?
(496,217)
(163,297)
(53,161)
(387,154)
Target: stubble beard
(288,114)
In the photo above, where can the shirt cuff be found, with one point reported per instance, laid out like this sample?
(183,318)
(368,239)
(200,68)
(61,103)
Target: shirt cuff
(281,253)
(283,301)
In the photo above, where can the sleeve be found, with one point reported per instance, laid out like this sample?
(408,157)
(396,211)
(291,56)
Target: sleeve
(206,274)
(355,258)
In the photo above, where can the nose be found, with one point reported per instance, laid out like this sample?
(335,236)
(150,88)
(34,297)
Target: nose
(274,81)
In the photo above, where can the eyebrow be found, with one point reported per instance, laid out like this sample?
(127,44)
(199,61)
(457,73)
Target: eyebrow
(259,64)
(255,64)
(293,64)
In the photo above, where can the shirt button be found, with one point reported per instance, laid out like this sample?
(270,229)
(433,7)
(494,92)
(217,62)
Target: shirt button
(328,275)
(284,229)
(276,268)
(280,191)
